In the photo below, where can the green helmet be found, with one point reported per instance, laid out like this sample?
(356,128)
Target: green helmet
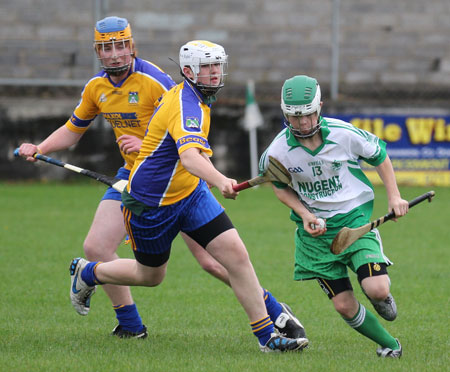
(300,96)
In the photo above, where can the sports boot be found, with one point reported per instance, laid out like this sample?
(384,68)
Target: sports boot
(122,333)
(385,352)
(80,292)
(288,325)
(279,343)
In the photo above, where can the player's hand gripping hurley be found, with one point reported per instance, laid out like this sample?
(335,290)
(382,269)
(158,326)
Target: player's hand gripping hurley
(115,183)
(275,172)
(347,236)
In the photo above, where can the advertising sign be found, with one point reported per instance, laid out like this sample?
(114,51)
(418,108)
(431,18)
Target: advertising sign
(419,146)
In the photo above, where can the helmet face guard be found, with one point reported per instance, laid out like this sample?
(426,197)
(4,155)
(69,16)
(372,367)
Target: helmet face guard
(300,96)
(113,36)
(298,133)
(208,63)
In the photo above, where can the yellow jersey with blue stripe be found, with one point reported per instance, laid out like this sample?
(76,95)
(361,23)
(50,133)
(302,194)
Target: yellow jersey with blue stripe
(127,106)
(181,121)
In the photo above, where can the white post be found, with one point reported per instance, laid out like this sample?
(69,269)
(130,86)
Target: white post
(335,51)
(251,121)
(253,137)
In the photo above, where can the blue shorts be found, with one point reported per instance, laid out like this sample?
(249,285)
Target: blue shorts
(154,230)
(112,194)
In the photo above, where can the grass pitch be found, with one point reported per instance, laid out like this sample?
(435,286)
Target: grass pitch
(194,321)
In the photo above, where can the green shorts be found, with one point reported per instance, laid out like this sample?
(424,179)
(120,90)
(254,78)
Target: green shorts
(313,258)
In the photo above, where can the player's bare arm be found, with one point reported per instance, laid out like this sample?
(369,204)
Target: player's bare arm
(289,198)
(209,160)
(395,202)
(60,139)
(128,143)
(196,164)
(205,156)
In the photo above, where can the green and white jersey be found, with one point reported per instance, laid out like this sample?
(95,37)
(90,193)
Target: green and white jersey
(329,179)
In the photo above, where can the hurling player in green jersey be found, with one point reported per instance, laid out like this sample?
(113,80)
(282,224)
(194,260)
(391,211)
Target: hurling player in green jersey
(322,156)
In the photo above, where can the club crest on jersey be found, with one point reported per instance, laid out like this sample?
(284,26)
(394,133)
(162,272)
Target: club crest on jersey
(192,124)
(133,97)
(102,97)
(336,165)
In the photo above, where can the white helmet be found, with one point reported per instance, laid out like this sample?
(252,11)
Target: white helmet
(300,96)
(197,53)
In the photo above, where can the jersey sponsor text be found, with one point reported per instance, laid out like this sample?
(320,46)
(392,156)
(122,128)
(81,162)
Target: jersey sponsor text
(320,189)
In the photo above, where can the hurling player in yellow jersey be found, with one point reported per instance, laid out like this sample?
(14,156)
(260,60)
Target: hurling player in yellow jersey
(124,92)
(168,193)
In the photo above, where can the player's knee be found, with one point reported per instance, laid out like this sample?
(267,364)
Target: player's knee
(346,304)
(212,267)
(377,292)
(376,287)
(152,282)
(241,258)
(89,249)
(209,265)
(151,277)
(95,251)
(345,309)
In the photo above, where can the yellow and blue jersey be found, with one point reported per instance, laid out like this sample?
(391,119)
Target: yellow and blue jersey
(181,121)
(127,106)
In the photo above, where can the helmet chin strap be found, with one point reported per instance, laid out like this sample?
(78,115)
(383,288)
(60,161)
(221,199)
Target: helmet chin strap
(207,91)
(298,134)
(310,134)
(116,71)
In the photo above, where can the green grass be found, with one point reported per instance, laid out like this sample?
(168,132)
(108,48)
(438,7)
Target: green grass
(195,322)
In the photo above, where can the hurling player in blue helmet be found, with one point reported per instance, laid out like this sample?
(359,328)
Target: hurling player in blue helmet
(168,193)
(124,92)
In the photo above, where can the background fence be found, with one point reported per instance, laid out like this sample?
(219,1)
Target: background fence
(371,58)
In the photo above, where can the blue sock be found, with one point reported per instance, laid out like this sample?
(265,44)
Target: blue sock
(273,307)
(262,329)
(129,318)
(88,274)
